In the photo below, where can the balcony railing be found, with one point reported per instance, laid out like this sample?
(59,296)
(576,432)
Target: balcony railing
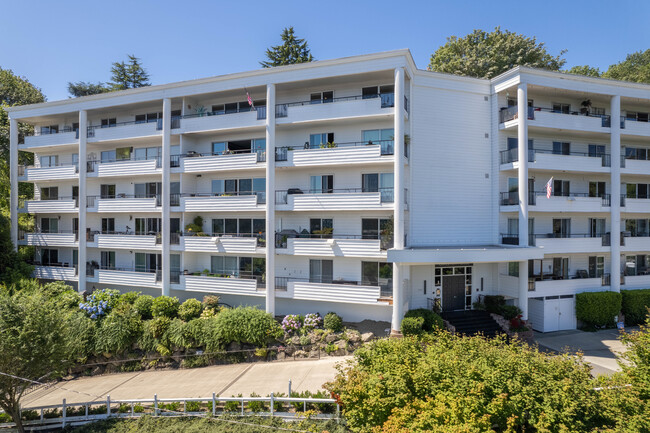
(510,113)
(47,131)
(91,267)
(282,197)
(91,200)
(512,155)
(91,165)
(281,239)
(512,198)
(229,273)
(175,160)
(260,237)
(22,201)
(387,147)
(261,196)
(261,113)
(387,101)
(385,284)
(23,168)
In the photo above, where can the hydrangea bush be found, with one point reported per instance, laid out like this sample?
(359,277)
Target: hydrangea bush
(100,303)
(312,321)
(291,323)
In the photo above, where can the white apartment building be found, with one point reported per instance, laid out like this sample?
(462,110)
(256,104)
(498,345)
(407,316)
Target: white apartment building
(360,185)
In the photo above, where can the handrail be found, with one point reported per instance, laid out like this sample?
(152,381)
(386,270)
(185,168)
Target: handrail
(37,132)
(121,195)
(60,197)
(281,196)
(131,159)
(192,154)
(335,145)
(223,235)
(38,231)
(220,194)
(337,99)
(219,113)
(281,281)
(124,233)
(58,164)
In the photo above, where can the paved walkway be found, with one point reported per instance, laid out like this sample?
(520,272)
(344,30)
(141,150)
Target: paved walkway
(224,380)
(600,348)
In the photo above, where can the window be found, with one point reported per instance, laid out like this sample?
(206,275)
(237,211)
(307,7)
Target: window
(637,190)
(561,148)
(323,184)
(513,143)
(108,225)
(123,154)
(320,140)
(561,188)
(322,97)
(369,92)
(108,259)
(147,226)
(637,265)
(377,274)
(140,118)
(110,122)
(259,189)
(374,228)
(51,129)
(559,107)
(379,182)
(107,191)
(143,153)
(630,190)
(384,137)
(598,111)
(561,227)
(321,271)
(387,93)
(596,150)
(596,227)
(49,225)
(513,227)
(512,102)
(513,269)
(147,190)
(147,262)
(561,267)
(50,193)
(321,227)
(49,257)
(637,227)
(50,161)
(596,266)
(108,156)
(596,189)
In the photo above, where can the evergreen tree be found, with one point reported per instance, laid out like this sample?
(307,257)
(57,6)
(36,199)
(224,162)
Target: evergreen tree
(292,50)
(82,88)
(129,75)
(486,55)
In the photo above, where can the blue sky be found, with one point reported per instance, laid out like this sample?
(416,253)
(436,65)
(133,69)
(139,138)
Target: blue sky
(53,42)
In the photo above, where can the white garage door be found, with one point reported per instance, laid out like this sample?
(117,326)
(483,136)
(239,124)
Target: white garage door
(559,313)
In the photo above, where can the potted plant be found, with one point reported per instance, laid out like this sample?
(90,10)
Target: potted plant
(586,107)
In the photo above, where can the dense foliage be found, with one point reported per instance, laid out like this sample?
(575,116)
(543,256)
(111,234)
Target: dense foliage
(124,75)
(486,55)
(412,326)
(430,320)
(293,50)
(635,67)
(635,304)
(165,306)
(585,70)
(333,322)
(598,309)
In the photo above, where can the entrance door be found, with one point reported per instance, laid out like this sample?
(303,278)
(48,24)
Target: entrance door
(453,292)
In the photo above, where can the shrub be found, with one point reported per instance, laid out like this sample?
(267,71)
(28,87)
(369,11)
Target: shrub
(333,322)
(155,336)
(211,302)
(143,306)
(509,312)
(245,325)
(165,306)
(190,309)
(232,406)
(256,406)
(100,303)
(179,335)
(431,320)
(291,323)
(305,340)
(118,331)
(192,406)
(129,297)
(312,321)
(412,326)
(635,304)
(598,308)
(493,303)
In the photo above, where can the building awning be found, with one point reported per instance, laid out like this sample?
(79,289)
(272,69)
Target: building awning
(464,254)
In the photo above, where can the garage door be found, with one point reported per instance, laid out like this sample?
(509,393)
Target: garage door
(559,313)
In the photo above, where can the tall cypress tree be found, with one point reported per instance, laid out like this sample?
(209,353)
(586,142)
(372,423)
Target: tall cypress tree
(293,50)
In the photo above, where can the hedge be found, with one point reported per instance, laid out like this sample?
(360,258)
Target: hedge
(431,320)
(635,306)
(598,308)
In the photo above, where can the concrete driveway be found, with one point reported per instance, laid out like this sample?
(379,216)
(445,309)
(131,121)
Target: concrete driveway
(600,349)
(225,380)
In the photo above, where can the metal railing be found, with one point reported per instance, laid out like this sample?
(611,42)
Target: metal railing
(38,132)
(261,196)
(90,132)
(229,273)
(281,197)
(512,155)
(91,200)
(606,280)
(386,288)
(510,113)
(387,147)
(385,240)
(260,237)
(387,101)
(511,198)
(91,165)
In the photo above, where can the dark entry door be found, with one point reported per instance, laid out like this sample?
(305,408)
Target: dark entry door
(453,292)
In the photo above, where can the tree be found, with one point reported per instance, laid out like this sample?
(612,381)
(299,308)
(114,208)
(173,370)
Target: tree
(585,70)
(129,75)
(38,340)
(12,266)
(82,88)
(635,67)
(292,50)
(486,55)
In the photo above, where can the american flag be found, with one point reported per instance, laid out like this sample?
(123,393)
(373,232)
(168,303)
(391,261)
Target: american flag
(549,187)
(250,100)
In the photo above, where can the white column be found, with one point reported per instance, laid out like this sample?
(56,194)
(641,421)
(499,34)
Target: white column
(166,191)
(522,156)
(398,198)
(83,158)
(13,175)
(615,229)
(270,199)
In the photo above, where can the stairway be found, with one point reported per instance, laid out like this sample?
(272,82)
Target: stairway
(472,322)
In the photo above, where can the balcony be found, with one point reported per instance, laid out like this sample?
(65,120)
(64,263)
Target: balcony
(542,117)
(341,291)
(123,203)
(67,136)
(636,244)
(635,205)
(124,167)
(222,243)
(331,245)
(571,244)
(551,287)
(221,120)
(124,276)
(573,202)
(229,285)
(359,152)
(635,127)
(55,272)
(59,239)
(59,172)
(193,162)
(124,241)
(124,130)
(631,165)
(544,159)
(62,204)
(295,199)
(337,108)
(636,281)
(224,202)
